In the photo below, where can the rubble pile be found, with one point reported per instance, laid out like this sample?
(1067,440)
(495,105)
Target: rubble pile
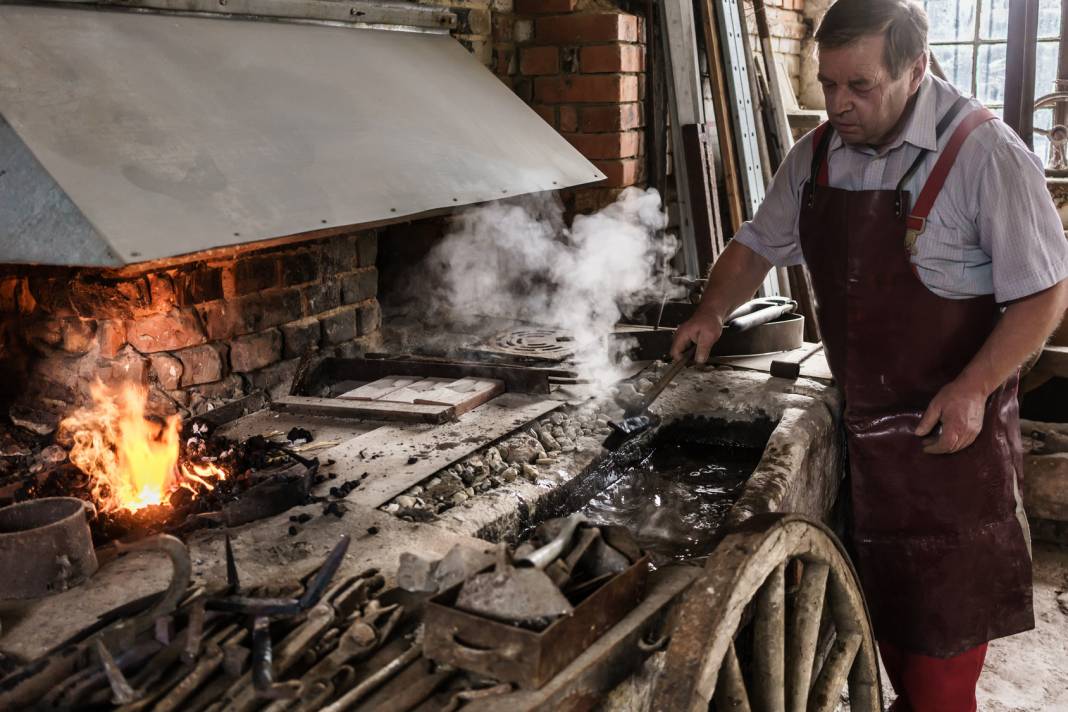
(535,454)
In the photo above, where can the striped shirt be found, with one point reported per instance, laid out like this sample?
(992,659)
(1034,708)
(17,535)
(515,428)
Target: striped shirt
(993,228)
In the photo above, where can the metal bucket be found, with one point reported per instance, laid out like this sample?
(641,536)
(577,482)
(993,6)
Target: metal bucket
(45,546)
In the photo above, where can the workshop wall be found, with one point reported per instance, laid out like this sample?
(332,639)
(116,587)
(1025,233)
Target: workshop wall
(581,65)
(198,334)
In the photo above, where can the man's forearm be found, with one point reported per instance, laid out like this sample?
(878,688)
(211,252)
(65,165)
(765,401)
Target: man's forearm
(1021,331)
(735,278)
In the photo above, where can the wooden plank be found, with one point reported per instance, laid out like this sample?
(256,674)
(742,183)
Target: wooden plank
(720,101)
(413,391)
(517,379)
(397,457)
(380,388)
(371,410)
(464,395)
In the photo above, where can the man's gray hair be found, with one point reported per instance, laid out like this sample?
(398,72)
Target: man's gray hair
(903,23)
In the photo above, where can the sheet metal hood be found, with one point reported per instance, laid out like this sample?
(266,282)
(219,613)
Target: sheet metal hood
(127,137)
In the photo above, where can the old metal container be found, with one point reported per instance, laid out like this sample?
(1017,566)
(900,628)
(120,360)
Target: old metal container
(526,657)
(45,546)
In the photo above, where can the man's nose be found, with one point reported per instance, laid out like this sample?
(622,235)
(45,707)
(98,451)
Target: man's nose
(838,103)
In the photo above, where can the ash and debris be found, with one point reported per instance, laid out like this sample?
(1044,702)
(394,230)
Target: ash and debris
(536,453)
(33,466)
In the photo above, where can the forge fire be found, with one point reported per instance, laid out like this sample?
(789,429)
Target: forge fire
(134,461)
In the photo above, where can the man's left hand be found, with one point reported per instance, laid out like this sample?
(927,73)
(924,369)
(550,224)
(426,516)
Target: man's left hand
(960,408)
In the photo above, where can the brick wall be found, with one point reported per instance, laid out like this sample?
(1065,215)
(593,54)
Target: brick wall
(197,334)
(581,65)
(583,70)
(786,21)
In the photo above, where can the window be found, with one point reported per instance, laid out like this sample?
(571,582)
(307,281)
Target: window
(968,37)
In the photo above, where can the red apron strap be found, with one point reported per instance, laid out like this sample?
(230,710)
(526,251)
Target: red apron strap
(917,218)
(820,140)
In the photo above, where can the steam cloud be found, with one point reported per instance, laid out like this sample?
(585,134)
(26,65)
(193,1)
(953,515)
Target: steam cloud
(518,260)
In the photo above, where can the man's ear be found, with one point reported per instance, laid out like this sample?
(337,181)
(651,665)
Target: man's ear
(917,72)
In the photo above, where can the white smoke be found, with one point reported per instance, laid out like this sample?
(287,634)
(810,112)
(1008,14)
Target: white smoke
(518,260)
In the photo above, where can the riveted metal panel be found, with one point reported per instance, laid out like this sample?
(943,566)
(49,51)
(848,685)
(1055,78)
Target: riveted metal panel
(175,134)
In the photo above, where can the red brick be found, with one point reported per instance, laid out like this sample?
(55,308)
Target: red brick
(502,27)
(620,173)
(110,337)
(625,144)
(367,248)
(568,118)
(614,117)
(544,7)
(249,353)
(168,370)
(227,318)
(600,27)
(539,60)
(589,200)
(581,88)
(176,329)
(200,364)
(612,58)
(546,112)
(254,274)
(300,336)
(369,318)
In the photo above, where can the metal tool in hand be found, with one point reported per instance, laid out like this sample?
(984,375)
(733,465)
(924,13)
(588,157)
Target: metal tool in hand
(521,593)
(637,418)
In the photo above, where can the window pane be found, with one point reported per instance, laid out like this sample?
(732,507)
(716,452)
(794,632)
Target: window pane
(990,74)
(956,61)
(950,20)
(994,21)
(1049,18)
(1045,68)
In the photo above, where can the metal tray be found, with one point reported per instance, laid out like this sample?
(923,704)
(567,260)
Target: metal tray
(526,657)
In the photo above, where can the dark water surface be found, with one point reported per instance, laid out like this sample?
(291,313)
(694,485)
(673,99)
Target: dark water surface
(675,497)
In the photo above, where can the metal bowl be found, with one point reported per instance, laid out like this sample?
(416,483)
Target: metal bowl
(45,546)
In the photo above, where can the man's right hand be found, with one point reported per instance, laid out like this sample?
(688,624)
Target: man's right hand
(702,329)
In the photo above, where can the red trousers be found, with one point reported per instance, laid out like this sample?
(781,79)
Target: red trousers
(926,684)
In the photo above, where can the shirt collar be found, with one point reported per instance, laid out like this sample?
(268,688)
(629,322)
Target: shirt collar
(919,129)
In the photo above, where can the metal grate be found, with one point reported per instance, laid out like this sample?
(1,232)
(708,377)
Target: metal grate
(548,344)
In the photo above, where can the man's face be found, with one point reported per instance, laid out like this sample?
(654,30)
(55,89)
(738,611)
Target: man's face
(865,103)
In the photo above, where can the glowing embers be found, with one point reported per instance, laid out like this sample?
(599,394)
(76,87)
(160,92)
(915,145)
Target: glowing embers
(132,459)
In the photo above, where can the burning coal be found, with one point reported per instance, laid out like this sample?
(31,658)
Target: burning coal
(518,260)
(132,460)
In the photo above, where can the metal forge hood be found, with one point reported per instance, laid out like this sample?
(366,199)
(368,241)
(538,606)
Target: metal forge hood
(127,137)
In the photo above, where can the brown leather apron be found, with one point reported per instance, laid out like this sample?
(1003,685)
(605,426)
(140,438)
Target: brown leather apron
(942,557)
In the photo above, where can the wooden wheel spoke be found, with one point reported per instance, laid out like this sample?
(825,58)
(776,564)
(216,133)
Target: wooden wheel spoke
(769,643)
(730,693)
(804,634)
(832,678)
(741,596)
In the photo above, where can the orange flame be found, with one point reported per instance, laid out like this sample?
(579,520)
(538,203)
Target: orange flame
(132,461)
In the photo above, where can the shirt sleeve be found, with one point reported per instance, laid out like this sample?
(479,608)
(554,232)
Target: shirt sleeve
(773,233)
(1018,224)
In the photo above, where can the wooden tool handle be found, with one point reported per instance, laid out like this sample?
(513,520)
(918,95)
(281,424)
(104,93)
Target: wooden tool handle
(673,370)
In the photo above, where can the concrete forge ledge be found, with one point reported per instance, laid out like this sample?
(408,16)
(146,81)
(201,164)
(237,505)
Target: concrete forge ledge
(800,471)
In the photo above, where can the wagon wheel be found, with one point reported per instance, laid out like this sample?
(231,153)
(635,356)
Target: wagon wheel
(748,632)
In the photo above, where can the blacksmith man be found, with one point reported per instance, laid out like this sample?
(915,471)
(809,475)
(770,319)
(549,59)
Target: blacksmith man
(939,267)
